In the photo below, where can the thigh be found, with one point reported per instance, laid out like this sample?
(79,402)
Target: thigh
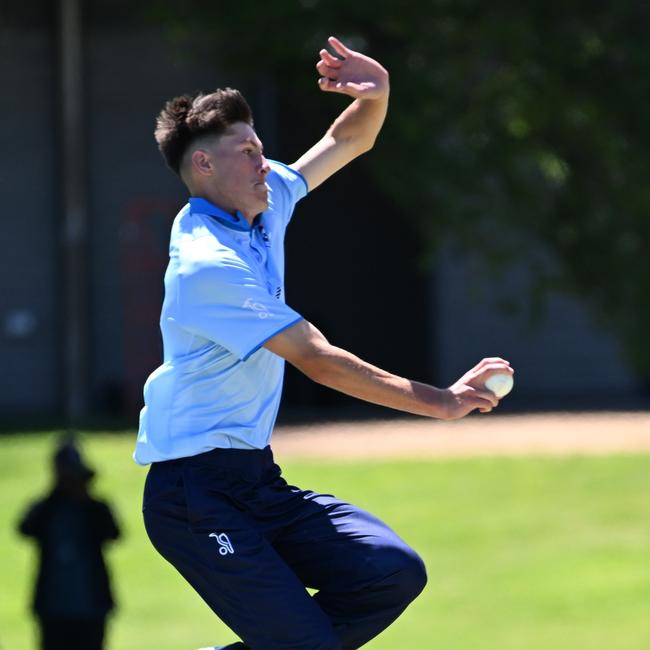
(337,546)
(365,574)
(192,522)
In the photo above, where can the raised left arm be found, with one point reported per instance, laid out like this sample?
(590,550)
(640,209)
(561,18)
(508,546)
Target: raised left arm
(356,128)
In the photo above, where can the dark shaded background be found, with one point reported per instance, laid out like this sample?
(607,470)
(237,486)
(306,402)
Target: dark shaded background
(503,211)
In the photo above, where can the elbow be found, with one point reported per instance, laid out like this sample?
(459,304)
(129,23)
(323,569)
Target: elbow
(316,365)
(366,144)
(366,148)
(354,143)
(309,352)
(314,368)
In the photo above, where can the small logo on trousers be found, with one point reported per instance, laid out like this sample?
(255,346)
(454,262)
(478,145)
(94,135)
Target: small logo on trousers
(225,546)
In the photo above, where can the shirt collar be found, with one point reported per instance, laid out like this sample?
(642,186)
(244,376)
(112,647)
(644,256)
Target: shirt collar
(235,221)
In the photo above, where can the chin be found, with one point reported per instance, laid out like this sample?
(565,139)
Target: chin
(259,202)
(257,209)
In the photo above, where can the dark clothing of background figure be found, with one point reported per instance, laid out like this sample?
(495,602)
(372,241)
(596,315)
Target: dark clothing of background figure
(72,582)
(72,633)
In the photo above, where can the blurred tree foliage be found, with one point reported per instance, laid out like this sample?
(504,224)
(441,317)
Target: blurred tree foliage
(509,123)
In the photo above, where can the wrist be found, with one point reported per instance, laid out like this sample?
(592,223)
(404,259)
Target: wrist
(445,404)
(433,402)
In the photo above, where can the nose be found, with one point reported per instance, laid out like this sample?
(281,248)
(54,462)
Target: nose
(265,168)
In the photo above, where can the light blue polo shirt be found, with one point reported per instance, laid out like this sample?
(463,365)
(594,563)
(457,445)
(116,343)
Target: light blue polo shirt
(224,298)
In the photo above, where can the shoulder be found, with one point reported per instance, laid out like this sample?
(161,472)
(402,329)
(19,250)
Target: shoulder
(208,254)
(38,507)
(43,503)
(208,268)
(286,173)
(98,507)
(286,187)
(190,227)
(285,177)
(201,246)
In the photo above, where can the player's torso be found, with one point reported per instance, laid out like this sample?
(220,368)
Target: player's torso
(260,249)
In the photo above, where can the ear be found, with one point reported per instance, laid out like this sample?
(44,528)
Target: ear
(202,162)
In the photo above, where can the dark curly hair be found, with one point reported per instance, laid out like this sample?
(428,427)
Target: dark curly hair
(188,117)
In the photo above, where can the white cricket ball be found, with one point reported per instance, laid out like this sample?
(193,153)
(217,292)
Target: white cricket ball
(500,384)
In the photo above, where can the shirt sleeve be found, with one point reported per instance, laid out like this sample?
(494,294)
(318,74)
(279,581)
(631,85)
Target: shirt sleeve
(223,301)
(288,186)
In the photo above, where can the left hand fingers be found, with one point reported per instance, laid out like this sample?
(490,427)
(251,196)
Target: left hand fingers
(338,47)
(326,71)
(330,60)
(330,86)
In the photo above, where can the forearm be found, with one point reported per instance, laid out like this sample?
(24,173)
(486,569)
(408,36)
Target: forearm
(307,349)
(355,130)
(346,373)
(352,133)
(359,124)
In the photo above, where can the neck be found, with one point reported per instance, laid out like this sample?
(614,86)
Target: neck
(216,199)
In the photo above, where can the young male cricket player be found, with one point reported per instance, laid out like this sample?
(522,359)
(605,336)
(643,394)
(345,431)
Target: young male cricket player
(215,504)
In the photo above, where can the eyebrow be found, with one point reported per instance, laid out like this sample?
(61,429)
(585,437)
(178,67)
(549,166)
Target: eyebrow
(250,141)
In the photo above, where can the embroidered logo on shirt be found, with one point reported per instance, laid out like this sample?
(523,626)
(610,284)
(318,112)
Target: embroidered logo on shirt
(262,310)
(225,546)
(265,236)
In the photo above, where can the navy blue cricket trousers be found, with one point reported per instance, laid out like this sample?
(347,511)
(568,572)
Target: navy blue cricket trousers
(249,544)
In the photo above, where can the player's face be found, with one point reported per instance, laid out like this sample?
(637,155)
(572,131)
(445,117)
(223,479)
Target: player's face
(240,171)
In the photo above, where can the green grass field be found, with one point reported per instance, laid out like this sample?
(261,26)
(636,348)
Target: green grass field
(534,553)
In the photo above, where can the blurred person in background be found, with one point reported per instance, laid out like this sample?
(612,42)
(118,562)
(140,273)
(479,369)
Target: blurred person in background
(72,596)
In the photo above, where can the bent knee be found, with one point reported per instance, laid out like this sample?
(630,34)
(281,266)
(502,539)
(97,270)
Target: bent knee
(411,576)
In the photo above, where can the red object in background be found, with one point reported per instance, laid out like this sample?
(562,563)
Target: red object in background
(144,252)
